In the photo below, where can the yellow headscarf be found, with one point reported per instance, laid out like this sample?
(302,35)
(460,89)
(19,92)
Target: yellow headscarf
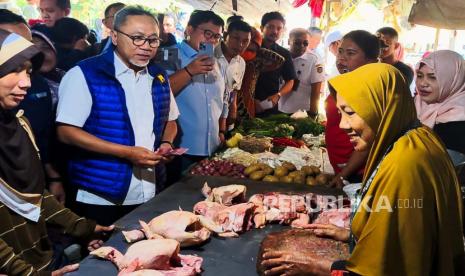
(372,92)
(425,237)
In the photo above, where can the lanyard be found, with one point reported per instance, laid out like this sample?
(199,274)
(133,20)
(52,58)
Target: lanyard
(361,193)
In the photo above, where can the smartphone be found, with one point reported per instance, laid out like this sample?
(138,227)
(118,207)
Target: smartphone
(168,59)
(206,49)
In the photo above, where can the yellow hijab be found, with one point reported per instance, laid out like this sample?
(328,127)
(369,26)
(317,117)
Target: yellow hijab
(409,222)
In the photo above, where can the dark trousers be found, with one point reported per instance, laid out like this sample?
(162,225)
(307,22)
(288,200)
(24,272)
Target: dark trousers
(179,165)
(104,214)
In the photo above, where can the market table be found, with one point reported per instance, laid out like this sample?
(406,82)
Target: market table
(233,256)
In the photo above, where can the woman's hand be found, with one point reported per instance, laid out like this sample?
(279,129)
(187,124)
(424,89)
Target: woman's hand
(294,263)
(100,232)
(330,231)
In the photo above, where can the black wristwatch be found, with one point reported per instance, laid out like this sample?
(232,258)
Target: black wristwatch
(167,142)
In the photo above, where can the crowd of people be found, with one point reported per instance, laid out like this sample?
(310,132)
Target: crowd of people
(90,124)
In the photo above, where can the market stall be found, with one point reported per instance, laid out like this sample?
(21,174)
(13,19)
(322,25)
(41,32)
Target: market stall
(278,148)
(221,256)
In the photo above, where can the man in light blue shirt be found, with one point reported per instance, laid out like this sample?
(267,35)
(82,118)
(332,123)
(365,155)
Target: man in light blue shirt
(199,88)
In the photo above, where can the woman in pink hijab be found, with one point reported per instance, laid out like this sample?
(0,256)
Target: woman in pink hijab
(440,100)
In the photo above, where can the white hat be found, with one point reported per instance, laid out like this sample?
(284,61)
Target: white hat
(332,37)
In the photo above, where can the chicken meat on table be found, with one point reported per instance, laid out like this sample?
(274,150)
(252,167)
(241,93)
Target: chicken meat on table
(226,221)
(152,257)
(182,226)
(225,195)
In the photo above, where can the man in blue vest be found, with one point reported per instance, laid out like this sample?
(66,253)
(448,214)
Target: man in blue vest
(117,110)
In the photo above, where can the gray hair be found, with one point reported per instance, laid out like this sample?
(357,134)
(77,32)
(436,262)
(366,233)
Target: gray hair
(122,15)
(315,31)
(298,32)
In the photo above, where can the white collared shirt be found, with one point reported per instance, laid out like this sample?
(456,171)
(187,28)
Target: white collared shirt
(309,70)
(233,71)
(138,93)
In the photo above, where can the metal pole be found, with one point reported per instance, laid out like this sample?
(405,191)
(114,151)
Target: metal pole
(436,39)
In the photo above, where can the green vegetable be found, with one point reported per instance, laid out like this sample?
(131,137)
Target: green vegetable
(280,125)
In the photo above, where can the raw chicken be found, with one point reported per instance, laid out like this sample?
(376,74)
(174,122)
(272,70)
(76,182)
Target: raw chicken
(277,207)
(226,221)
(152,257)
(225,195)
(338,217)
(318,203)
(259,212)
(185,227)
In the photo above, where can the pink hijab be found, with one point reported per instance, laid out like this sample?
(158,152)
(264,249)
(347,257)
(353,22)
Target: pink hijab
(449,68)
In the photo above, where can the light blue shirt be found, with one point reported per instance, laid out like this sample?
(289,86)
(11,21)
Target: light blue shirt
(201,104)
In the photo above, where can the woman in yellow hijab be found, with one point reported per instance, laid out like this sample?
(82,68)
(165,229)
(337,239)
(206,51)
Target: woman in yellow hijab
(408,216)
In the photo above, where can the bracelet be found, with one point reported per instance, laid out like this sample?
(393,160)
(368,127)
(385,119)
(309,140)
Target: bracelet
(279,94)
(187,71)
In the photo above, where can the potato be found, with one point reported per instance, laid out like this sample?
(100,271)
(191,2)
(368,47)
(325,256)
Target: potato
(316,170)
(267,169)
(311,181)
(257,175)
(308,170)
(280,171)
(322,179)
(289,166)
(286,179)
(299,179)
(252,168)
(297,173)
(270,178)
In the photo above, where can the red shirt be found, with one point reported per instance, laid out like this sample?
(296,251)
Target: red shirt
(337,141)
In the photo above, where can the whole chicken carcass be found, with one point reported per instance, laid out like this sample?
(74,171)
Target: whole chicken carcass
(185,227)
(225,195)
(152,257)
(226,221)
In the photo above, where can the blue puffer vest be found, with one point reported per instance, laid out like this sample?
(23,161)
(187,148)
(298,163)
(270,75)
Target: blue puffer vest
(103,175)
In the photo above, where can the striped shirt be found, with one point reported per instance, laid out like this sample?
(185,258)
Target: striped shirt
(24,245)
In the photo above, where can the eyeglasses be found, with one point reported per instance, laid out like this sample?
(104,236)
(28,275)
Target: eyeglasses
(209,34)
(139,40)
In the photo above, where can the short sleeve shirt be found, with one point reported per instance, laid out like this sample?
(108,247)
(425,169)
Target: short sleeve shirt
(309,70)
(268,83)
(137,89)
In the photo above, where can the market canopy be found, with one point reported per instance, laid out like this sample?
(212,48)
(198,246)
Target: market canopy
(251,9)
(443,14)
